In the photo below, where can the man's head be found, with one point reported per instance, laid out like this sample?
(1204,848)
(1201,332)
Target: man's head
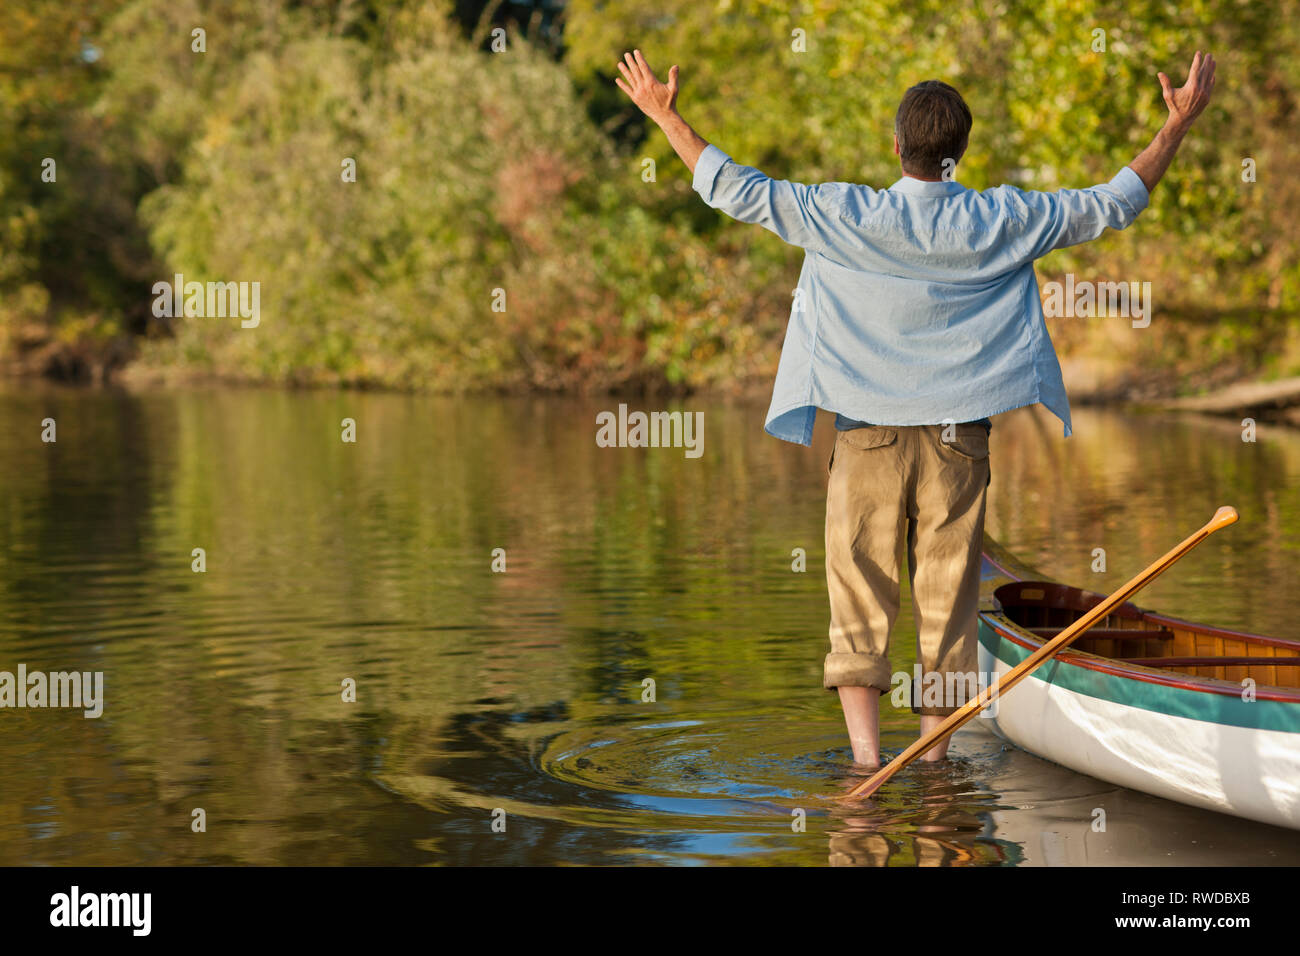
(933,124)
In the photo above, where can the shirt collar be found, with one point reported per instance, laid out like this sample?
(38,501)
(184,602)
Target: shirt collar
(919,187)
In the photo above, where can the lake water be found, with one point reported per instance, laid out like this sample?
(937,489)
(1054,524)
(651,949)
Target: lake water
(519,695)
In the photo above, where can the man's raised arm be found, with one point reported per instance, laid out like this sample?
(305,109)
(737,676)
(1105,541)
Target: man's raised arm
(805,216)
(659,102)
(1068,217)
(1185,104)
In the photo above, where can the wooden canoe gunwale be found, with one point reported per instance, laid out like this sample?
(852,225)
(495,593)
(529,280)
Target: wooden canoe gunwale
(1117,667)
(1013,571)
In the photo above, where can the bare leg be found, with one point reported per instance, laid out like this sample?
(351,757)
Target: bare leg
(862,717)
(940,750)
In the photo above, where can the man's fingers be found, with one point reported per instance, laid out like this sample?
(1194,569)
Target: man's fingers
(1205,80)
(637,72)
(623,86)
(1193,95)
(634,67)
(650,74)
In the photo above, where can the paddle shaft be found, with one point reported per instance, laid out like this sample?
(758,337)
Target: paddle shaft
(1222,518)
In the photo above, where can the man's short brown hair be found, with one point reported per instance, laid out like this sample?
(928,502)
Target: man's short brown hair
(933,124)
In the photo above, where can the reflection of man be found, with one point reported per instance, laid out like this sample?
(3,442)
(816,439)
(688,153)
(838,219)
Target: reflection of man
(854,847)
(917,311)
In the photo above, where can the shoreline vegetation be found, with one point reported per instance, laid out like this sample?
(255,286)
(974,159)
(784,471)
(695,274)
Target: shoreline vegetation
(441,197)
(1271,402)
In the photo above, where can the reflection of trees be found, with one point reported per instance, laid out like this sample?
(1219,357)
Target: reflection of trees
(1132,483)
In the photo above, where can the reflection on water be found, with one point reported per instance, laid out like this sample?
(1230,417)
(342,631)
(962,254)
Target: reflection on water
(523,691)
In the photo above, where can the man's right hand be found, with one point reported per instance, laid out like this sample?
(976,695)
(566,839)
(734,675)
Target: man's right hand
(656,100)
(1186,102)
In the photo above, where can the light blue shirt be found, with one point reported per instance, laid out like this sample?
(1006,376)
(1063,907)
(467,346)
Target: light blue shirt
(917,304)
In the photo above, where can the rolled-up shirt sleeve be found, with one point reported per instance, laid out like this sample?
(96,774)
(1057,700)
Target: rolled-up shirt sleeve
(1067,217)
(802,215)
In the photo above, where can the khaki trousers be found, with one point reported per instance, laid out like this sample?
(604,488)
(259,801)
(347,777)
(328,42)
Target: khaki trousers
(895,486)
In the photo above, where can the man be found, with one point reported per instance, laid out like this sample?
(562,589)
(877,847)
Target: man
(918,312)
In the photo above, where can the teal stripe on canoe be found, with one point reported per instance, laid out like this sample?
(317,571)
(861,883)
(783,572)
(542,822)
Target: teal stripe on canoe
(1159,698)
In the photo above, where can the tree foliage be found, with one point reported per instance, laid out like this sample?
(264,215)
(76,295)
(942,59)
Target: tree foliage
(522,170)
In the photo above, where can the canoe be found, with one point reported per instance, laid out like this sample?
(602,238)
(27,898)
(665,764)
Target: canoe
(1143,700)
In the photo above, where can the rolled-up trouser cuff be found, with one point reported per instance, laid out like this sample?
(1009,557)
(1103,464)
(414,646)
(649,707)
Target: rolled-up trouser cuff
(846,669)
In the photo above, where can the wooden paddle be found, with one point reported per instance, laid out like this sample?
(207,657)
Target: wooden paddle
(1222,518)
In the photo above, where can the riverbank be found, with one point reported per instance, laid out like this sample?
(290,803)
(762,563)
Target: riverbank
(1276,401)
(1279,400)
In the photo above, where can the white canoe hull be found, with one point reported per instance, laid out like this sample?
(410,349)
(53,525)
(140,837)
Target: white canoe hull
(1247,772)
